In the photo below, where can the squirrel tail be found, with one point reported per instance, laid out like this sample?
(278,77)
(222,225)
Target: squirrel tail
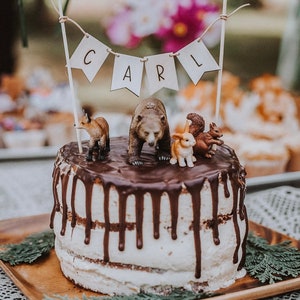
(198,123)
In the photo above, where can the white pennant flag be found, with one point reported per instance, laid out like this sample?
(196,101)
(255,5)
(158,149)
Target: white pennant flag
(128,73)
(89,56)
(161,72)
(196,60)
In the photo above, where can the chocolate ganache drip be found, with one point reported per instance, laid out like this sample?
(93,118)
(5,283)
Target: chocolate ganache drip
(156,178)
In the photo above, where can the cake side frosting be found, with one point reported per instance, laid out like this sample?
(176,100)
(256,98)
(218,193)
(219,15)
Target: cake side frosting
(190,224)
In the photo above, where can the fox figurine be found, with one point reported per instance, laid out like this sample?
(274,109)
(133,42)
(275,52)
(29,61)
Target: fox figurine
(98,130)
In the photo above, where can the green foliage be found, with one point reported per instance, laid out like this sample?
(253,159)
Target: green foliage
(271,263)
(265,262)
(29,250)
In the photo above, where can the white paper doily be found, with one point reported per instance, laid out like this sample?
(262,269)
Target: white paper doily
(279,209)
(8,290)
(276,208)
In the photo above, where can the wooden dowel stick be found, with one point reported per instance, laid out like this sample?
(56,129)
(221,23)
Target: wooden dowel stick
(221,58)
(70,77)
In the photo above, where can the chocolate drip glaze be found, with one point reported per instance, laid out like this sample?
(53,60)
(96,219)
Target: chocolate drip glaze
(74,184)
(155,178)
(139,207)
(156,213)
(196,198)
(88,211)
(214,183)
(56,207)
(242,262)
(235,222)
(122,220)
(64,180)
(107,222)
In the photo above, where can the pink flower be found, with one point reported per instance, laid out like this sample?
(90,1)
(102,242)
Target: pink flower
(174,23)
(119,30)
(187,25)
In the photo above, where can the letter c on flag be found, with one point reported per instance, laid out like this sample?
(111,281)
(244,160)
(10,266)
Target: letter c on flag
(85,57)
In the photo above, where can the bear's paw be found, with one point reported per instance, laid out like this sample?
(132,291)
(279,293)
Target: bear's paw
(163,156)
(135,161)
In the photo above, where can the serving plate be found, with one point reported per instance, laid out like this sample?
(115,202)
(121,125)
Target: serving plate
(270,181)
(28,153)
(45,278)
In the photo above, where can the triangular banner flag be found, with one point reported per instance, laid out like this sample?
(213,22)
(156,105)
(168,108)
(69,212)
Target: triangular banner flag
(161,72)
(89,56)
(127,73)
(196,60)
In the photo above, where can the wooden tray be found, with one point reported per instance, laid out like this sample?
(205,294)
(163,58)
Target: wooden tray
(45,278)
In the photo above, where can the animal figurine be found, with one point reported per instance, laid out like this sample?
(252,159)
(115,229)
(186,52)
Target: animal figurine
(98,130)
(182,148)
(149,125)
(204,140)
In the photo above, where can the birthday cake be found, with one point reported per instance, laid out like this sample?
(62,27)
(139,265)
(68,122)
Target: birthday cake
(124,227)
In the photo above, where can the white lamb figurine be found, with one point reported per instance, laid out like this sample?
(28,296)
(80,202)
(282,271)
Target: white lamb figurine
(182,148)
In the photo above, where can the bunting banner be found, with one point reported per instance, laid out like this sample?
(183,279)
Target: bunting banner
(90,55)
(128,70)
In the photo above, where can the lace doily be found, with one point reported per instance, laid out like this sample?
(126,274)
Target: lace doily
(8,290)
(279,209)
(276,208)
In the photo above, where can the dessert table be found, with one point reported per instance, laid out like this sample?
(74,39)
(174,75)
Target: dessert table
(25,190)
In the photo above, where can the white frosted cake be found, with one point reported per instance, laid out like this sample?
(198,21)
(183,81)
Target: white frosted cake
(122,229)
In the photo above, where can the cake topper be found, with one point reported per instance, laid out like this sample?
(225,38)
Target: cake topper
(98,130)
(149,125)
(193,57)
(182,148)
(204,140)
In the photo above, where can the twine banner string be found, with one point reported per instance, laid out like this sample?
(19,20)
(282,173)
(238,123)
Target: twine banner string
(222,17)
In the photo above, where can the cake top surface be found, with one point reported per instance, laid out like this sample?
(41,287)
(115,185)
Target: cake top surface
(115,167)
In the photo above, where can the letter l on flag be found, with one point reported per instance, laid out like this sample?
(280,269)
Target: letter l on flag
(196,60)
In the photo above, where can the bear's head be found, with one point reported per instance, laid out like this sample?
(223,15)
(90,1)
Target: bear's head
(150,128)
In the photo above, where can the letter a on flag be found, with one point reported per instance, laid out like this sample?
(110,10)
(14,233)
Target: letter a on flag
(89,56)
(196,60)
(161,72)
(128,73)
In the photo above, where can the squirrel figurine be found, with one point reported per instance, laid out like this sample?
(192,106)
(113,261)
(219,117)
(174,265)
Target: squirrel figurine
(204,140)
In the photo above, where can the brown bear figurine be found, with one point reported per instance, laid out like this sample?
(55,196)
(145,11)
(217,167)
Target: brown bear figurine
(149,125)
